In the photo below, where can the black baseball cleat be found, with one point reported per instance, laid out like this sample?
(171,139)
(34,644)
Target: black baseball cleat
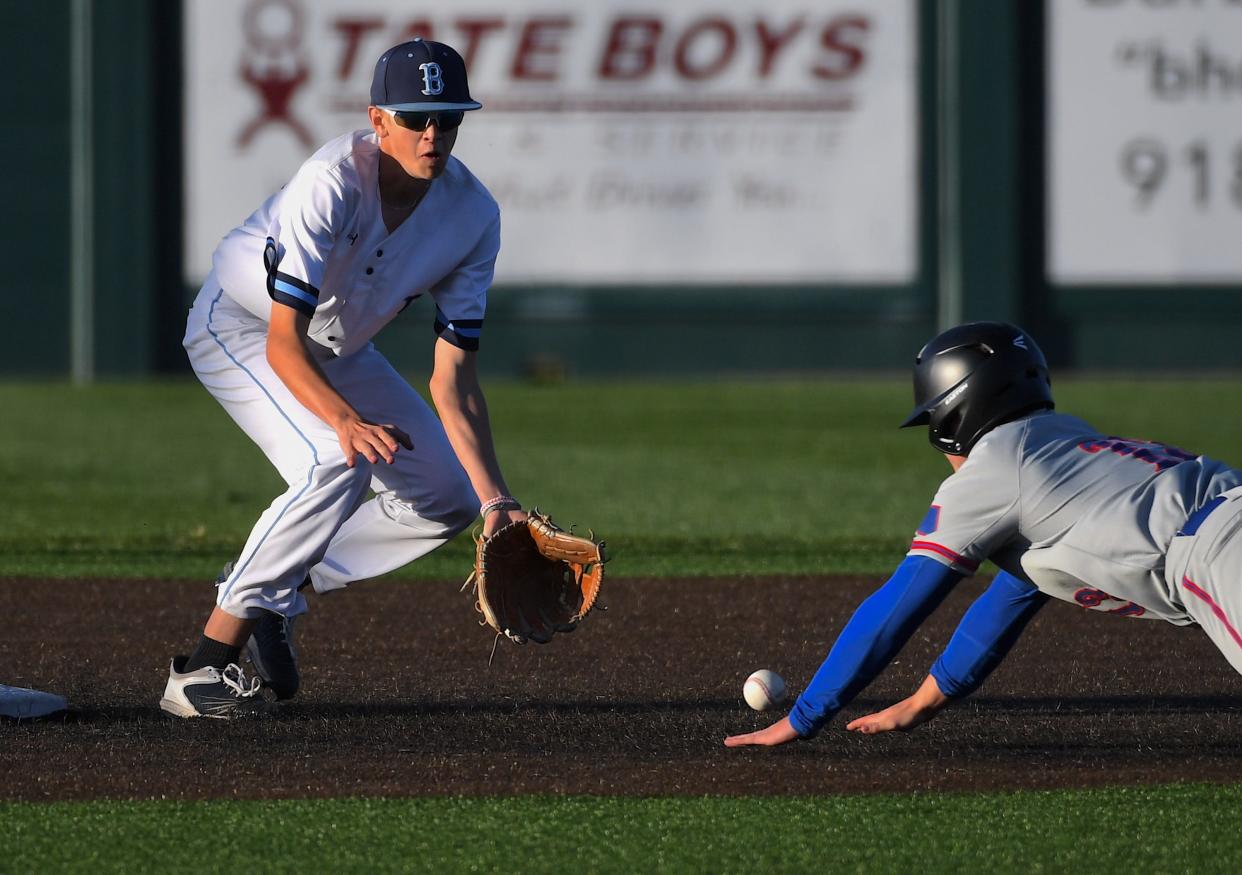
(212,692)
(273,655)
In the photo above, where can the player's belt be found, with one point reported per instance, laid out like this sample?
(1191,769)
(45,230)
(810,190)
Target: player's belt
(1196,519)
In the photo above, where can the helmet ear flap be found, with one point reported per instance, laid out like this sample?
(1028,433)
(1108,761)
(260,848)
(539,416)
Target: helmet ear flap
(950,424)
(944,432)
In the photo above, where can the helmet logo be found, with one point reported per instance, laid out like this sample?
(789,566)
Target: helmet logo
(1020,342)
(952,396)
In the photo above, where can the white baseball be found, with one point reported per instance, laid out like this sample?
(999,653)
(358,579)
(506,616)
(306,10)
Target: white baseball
(764,690)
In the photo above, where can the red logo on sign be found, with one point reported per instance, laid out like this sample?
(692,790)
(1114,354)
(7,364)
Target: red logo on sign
(273,65)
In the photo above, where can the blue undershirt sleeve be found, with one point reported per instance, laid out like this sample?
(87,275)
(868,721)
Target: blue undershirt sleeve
(873,636)
(987,632)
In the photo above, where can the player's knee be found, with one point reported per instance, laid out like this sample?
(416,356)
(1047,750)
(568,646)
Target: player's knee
(328,483)
(447,512)
(455,508)
(335,477)
(463,510)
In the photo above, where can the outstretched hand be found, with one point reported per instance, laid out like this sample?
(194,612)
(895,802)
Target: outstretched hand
(779,732)
(901,717)
(914,711)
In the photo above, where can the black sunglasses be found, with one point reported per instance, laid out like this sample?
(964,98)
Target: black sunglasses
(418,121)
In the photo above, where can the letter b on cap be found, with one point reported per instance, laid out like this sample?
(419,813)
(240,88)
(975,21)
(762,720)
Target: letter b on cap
(433,78)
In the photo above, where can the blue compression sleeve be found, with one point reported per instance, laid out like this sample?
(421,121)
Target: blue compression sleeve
(872,637)
(987,632)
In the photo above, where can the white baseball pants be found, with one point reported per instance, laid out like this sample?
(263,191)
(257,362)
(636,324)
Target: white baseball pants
(1206,570)
(323,526)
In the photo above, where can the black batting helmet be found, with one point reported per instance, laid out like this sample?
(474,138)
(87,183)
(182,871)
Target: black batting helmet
(972,378)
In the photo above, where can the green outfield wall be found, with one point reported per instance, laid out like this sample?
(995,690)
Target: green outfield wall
(981,217)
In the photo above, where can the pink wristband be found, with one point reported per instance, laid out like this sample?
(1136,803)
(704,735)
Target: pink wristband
(500,502)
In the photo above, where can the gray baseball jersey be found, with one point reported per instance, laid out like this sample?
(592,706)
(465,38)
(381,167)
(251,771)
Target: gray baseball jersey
(1084,517)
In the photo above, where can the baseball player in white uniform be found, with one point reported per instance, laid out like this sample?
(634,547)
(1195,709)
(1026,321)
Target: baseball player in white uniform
(280,335)
(1126,527)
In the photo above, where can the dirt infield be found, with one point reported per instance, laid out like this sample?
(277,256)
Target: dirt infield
(398,699)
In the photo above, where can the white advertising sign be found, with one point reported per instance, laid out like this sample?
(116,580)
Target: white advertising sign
(1145,141)
(702,141)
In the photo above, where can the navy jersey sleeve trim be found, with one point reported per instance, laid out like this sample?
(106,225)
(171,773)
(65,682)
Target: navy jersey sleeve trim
(986,634)
(463,333)
(285,289)
(873,636)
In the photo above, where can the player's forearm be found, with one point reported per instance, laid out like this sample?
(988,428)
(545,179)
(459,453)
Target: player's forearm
(463,412)
(302,375)
(870,640)
(986,633)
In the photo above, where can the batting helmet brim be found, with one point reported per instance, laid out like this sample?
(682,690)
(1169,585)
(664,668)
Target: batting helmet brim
(920,416)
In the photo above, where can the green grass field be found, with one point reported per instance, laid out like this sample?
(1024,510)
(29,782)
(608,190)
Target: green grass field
(784,476)
(1169,829)
(154,480)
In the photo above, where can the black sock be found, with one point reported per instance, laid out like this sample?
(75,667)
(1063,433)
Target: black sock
(211,652)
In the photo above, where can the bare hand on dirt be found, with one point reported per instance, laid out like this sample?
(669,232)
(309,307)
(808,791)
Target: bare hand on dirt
(778,733)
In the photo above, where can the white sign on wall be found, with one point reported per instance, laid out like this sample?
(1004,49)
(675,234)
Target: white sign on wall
(703,141)
(1145,141)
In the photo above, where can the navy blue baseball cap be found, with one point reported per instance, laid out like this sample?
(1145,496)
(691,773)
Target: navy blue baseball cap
(421,76)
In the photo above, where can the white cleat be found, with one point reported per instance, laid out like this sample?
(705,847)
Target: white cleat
(210,692)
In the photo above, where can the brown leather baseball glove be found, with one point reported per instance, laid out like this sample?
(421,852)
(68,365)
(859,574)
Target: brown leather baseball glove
(533,579)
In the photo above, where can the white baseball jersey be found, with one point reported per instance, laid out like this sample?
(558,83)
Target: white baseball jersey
(1085,517)
(321,247)
(331,257)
